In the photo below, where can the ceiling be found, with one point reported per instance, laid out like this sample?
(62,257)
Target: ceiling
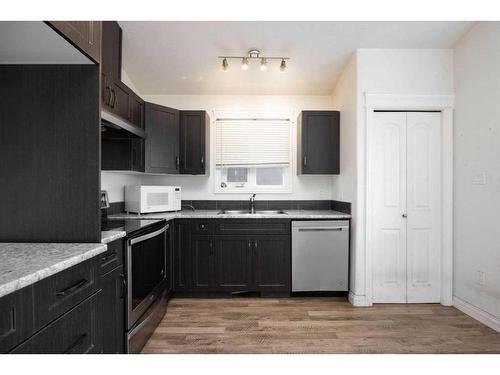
(181,57)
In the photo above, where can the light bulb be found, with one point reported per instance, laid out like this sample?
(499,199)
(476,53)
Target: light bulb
(244,63)
(263,65)
(283,65)
(225,65)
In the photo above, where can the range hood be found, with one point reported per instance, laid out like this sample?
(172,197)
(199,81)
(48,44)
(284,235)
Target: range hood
(114,125)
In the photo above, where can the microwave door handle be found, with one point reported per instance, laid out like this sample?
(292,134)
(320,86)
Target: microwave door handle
(133,241)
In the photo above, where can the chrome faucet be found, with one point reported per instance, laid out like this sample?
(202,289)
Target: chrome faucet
(252,204)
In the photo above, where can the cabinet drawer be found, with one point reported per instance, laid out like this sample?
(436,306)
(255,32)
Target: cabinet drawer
(76,332)
(253,226)
(113,257)
(202,226)
(59,293)
(16,318)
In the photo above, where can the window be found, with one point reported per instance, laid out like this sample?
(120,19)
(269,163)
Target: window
(252,155)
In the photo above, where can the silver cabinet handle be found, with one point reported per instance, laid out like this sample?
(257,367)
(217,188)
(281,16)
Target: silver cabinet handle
(320,229)
(249,244)
(202,161)
(305,161)
(256,244)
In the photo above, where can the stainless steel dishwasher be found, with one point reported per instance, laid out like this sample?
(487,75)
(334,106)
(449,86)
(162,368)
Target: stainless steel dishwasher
(320,255)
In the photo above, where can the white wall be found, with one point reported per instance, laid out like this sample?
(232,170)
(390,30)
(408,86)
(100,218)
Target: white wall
(380,71)
(477,151)
(202,187)
(344,99)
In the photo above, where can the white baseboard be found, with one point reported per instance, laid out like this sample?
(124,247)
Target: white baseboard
(477,313)
(357,300)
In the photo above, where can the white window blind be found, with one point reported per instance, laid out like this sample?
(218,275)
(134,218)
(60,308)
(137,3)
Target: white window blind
(252,143)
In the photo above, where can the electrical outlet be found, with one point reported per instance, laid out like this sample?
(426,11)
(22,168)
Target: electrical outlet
(480,277)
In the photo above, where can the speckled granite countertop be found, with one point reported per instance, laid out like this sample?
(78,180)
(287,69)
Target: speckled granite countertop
(112,235)
(22,264)
(214,214)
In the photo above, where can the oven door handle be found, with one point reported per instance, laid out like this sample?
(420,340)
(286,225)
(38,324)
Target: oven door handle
(133,241)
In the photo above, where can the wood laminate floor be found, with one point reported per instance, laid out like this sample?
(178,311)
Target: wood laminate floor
(316,325)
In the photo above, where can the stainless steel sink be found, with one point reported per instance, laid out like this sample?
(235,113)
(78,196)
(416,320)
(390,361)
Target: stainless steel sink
(246,212)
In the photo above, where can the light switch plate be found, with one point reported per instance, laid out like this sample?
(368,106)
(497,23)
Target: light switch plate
(479,179)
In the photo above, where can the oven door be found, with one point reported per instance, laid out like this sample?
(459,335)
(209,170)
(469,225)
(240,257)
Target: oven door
(146,272)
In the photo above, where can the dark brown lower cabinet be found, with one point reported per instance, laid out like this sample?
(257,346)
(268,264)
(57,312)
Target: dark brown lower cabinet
(203,263)
(234,263)
(182,244)
(228,263)
(272,263)
(113,311)
(76,332)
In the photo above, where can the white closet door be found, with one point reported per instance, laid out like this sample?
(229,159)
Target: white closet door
(389,202)
(423,207)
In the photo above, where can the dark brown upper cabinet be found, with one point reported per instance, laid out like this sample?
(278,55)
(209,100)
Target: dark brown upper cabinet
(84,35)
(117,97)
(111,64)
(162,142)
(318,146)
(194,142)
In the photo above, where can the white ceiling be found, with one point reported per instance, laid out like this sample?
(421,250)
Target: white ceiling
(181,57)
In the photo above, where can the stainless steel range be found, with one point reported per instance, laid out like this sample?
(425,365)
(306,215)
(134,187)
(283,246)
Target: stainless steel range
(148,276)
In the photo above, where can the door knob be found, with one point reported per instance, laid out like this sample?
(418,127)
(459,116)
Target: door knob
(404,215)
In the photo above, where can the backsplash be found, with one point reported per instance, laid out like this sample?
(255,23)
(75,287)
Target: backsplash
(345,207)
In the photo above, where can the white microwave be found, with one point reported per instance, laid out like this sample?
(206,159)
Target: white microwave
(143,199)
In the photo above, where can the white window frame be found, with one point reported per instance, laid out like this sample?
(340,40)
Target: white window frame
(251,186)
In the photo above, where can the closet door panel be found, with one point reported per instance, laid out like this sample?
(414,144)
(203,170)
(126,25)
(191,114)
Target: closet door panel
(389,195)
(423,207)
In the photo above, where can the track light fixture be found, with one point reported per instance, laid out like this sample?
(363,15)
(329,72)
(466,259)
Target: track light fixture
(253,54)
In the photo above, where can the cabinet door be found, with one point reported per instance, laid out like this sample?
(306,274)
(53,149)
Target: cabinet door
(113,310)
(234,263)
(203,256)
(182,256)
(136,111)
(162,143)
(16,318)
(85,35)
(111,59)
(192,142)
(272,263)
(320,132)
(120,100)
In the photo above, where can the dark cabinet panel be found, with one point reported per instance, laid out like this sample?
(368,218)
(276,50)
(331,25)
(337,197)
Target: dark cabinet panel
(113,310)
(182,255)
(85,35)
(252,226)
(120,99)
(76,332)
(49,147)
(203,263)
(272,263)
(122,154)
(136,110)
(162,142)
(234,263)
(318,142)
(111,63)
(16,318)
(194,133)
(113,257)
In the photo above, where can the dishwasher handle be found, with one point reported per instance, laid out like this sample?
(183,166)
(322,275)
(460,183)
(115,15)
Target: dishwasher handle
(322,229)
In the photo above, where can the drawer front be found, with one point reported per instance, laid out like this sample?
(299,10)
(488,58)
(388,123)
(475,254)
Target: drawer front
(61,292)
(253,226)
(76,332)
(202,226)
(113,257)
(16,318)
